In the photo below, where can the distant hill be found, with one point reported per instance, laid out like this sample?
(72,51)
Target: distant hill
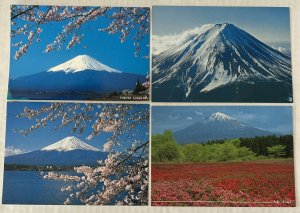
(217,126)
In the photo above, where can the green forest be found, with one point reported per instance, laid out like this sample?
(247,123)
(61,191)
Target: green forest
(166,149)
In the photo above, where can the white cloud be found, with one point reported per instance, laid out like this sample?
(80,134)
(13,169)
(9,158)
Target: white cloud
(280,49)
(198,113)
(189,118)
(245,116)
(174,117)
(13,151)
(283,129)
(249,117)
(161,43)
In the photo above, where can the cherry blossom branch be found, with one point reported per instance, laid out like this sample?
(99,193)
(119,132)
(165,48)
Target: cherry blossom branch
(23,49)
(125,21)
(23,12)
(132,152)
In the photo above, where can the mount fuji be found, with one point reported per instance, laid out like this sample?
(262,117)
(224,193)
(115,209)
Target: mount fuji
(218,126)
(69,151)
(82,77)
(81,63)
(220,62)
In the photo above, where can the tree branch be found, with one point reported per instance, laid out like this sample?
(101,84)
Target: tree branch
(23,12)
(130,155)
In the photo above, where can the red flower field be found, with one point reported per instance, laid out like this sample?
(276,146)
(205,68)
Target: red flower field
(256,183)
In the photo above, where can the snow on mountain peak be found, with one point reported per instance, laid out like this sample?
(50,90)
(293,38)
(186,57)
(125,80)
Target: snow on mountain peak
(81,63)
(162,43)
(219,116)
(68,144)
(226,24)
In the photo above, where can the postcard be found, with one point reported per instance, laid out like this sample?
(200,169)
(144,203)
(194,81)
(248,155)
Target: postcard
(76,154)
(79,53)
(221,54)
(222,156)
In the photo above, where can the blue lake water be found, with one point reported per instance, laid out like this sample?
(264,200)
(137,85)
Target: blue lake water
(28,187)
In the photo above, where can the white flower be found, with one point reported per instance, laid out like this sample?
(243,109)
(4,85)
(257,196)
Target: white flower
(107,146)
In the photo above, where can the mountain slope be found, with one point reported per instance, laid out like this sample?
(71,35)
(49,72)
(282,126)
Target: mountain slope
(220,56)
(69,151)
(217,126)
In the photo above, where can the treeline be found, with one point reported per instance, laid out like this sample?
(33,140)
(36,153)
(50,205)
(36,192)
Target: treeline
(260,144)
(165,149)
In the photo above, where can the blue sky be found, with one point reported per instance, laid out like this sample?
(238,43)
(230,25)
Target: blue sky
(265,23)
(106,48)
(45,136)
(276,119)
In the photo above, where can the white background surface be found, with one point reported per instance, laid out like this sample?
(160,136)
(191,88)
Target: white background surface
(4,71)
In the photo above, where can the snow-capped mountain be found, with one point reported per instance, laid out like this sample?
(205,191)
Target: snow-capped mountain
(217,126)
(69,151)
(68,144)
(219,116)
(81,78)
(221,60)
(81,63)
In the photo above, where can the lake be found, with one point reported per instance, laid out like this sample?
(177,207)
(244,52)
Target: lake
(28,187)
